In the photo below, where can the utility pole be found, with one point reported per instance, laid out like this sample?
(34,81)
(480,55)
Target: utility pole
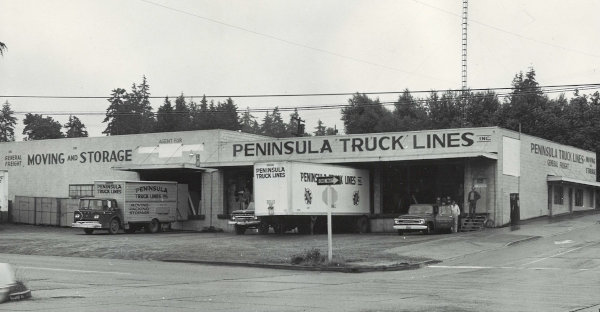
(299,126)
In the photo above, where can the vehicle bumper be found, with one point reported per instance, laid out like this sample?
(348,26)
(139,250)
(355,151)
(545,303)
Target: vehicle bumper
(410,227)
(244,223)
(87,225)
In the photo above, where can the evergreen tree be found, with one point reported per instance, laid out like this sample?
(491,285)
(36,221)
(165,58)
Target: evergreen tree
(165,119)
(248,123)
(75,128)
(226,116)
(182,115)
(7,123)
(130,113)
(38,127)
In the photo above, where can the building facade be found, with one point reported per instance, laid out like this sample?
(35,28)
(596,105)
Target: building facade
(517,176)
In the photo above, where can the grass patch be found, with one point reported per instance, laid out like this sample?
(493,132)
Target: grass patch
(313,257)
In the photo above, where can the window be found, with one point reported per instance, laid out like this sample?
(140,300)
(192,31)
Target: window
(579,197)
(558,195)
(81,190)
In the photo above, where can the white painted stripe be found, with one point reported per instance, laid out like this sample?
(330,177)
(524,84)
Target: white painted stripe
(556,255)
(475,267)
(71,270)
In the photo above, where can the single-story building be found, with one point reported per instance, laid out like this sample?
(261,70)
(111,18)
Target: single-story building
(541,177)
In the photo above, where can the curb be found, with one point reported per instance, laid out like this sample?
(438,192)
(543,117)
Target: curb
(530,238)
(347,269)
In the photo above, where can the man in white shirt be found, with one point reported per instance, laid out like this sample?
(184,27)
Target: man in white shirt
(455,215)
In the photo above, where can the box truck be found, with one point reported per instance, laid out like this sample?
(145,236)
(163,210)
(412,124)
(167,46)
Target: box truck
(130,205)
(287,196)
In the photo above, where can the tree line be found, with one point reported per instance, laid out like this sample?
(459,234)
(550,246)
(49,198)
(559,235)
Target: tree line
(574,121)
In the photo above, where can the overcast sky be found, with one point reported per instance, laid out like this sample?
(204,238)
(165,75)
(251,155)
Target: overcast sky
(245,47)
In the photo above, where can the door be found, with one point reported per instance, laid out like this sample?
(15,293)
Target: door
(515,210)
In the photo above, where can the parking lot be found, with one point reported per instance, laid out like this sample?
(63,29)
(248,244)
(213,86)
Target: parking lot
(210,247)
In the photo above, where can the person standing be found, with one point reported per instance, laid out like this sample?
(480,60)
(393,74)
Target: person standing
(455,215)
(473,197)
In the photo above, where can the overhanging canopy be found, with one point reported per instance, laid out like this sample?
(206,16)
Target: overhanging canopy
(558,179)
(161,166)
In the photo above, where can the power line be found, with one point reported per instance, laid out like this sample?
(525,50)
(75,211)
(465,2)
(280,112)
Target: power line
(505,95)
(67,97)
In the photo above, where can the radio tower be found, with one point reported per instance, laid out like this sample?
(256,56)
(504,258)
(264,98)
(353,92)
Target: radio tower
(464,62)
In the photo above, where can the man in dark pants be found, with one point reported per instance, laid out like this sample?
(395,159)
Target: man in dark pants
(473,198)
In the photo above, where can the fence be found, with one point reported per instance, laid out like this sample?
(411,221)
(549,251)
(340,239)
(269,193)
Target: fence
(43,210)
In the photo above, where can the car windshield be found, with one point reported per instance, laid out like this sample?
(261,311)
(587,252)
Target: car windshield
(420,209)
(94,204)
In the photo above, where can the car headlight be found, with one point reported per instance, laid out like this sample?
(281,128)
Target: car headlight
(77,216)
(421,221)
(96,216)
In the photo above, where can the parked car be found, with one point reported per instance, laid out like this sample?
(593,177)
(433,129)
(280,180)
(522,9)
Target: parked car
(426,218)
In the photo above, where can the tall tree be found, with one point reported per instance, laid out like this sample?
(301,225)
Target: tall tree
(165,119)
(444,111)
(321,129)
(526,104)
(7,123)
(182,115)
(225,116)
(75,128)
(410,113)
(482,109)
(118,114)
(38,127)
(130,113)
(273,125)
(364,115)
(248,122)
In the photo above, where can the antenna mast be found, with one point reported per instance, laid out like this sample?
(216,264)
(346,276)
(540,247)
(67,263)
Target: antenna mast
(464,62)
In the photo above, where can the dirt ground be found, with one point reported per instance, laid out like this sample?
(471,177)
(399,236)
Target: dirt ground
(197,246)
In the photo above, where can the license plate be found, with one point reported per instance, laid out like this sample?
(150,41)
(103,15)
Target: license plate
(409,227)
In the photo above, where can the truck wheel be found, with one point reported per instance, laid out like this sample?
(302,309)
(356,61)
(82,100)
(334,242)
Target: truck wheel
(88,231)
(429,229)
(153,227)
(114,226)
(263,228)
(240,230)
(362,225)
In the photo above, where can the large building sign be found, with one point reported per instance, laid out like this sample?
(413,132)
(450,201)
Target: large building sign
(384,144)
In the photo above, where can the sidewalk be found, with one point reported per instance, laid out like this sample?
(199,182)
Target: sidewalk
(463,244)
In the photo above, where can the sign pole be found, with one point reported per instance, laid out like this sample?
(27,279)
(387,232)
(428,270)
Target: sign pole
(329,236)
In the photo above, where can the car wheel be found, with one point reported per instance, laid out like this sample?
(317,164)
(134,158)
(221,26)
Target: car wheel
(429,229)
(263,228)
(153,226)
(114,226)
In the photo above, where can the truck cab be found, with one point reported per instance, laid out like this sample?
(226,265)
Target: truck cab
(97,214)
(427,218)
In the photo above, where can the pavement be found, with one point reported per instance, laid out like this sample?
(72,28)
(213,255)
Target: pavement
(447,247)
(352,252)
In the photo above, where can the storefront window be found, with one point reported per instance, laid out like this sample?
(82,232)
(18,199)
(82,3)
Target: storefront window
(579,197)
(81,190)
(558,195)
